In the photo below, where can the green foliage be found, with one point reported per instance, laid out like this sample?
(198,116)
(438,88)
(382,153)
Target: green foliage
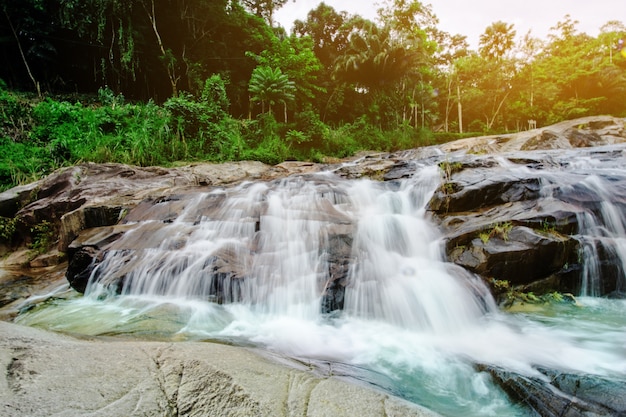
(346,83)
(264,141)
(14,115)
(500,230)
(8,226)
(509,296)
(309,131)
(270,86)
(43,237)
(108,98)
(22,163)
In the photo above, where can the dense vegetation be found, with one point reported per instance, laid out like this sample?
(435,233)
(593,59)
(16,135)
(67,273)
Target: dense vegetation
(157,81)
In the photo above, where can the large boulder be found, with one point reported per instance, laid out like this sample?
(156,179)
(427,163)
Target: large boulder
(222,271)
(48,374)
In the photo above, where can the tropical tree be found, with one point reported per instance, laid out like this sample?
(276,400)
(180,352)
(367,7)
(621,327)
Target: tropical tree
(497,40)
(295,58)
(451,49)
(271,86)
(328,30)
(264,8)
(564,71)
(389,64)
(496,70)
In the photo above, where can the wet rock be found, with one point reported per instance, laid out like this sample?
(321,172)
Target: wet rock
(550,208)
(520,255)
(220,273)
(92,195)
(609,392)
(609,129)
(554,394)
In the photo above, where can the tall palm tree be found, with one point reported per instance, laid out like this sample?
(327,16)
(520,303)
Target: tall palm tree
(497,40)
(374,60)
(271,86)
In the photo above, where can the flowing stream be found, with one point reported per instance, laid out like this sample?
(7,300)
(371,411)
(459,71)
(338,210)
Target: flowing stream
(411,323)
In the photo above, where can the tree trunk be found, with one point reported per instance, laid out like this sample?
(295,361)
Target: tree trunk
(19,46)
(495,114)
(460,108)
(169,65)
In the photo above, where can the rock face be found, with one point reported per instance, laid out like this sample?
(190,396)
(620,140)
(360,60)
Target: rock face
(523,218)
(44,372)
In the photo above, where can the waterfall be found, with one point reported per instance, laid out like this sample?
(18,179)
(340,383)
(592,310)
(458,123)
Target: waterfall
(398,275)
(266,263)
(596,194)
(273,247)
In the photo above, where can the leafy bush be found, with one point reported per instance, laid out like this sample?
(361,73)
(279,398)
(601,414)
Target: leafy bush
(312,130)
(43,236)
(270,151)
(8,226)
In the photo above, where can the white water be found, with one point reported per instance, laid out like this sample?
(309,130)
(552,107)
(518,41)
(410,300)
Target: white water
(600,228)
(416,325)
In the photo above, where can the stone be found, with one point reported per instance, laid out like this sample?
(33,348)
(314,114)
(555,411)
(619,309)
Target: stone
(562,395)
(51,374)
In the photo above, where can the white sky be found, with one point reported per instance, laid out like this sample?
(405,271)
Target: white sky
(471,17)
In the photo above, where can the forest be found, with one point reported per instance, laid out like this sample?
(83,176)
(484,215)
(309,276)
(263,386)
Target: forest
(160,82)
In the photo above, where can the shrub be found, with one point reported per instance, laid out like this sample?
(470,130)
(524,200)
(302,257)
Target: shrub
(15,121)
(43,236)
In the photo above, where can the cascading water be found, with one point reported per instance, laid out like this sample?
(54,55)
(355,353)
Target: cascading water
(396,275)
(597,187)
(253,265)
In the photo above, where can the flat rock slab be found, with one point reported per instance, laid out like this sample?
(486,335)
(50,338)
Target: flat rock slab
(47,374)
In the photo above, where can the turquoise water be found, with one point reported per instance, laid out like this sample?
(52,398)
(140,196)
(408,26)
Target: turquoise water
(434,369)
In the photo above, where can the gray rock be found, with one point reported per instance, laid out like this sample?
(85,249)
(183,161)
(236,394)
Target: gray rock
(48,374)
(563,395)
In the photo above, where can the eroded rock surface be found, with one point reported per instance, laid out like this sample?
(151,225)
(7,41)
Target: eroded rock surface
(48,374)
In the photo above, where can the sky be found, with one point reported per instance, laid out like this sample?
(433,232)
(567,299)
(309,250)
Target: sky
(471,17)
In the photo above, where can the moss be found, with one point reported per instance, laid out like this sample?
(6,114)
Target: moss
(513,299)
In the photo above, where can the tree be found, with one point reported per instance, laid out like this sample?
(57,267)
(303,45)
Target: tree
(610,34)
(497,40)
(451,49)
(295,58)
(167,56)
(264,8)
(328,30)
(565,71)
(271,86)
(22,54)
